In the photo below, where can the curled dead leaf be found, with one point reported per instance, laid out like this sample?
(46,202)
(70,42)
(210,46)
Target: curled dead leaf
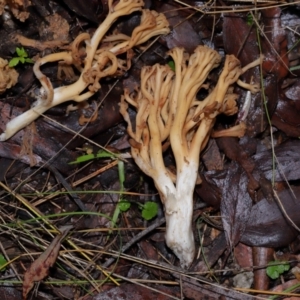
(39,269)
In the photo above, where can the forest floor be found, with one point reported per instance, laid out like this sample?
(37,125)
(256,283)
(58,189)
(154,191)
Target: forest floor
(79,219)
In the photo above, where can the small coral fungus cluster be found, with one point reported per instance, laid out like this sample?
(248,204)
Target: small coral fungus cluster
(8,76)
(17,7)
(94,57)
(168,113)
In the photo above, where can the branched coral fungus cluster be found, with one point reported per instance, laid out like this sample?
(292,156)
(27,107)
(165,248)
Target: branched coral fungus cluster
(94,57)
(168,112)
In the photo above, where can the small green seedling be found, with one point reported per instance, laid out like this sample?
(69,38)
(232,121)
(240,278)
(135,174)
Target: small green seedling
(91,156)
(149,210)
(21,58)
(276,268)
(249,19)
(171,64)
(3,262)
(124,205)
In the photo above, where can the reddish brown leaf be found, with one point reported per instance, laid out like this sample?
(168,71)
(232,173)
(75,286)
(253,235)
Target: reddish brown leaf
(243,42)
(274,45)
(208,190)
(39,268)
(243,255)
(286,116)
(238,152)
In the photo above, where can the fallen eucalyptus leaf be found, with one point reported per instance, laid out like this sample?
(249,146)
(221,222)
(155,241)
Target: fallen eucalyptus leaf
(39,269)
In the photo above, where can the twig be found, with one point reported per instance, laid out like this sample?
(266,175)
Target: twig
(135,239)
(68,188)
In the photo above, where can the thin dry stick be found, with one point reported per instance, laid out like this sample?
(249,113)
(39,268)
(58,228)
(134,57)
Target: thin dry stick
(76,183)
(135,239)
(249,8)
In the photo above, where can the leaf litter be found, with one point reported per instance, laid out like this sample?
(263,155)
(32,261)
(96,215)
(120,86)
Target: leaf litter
(236,195)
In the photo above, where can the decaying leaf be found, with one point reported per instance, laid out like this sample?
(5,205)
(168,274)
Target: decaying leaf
(241,43)
(236,204)
(39,268)
(267,225)
(274,44)
(286,116)
(287,161)
(183,30)
(90,11)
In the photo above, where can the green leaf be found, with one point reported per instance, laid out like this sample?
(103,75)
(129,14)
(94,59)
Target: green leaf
(171,64)
(124,205)
(22,60)
(82,158)
(87,157)
(3,262)
(14,61)
(249,19)
(276,268)
(103,153)
(29,60)
(21,52)
(150,210)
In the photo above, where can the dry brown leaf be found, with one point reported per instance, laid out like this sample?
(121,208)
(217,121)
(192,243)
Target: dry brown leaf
(39,268)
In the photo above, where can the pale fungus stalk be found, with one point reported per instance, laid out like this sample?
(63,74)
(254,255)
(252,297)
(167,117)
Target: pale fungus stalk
(168,112)
(91,59)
